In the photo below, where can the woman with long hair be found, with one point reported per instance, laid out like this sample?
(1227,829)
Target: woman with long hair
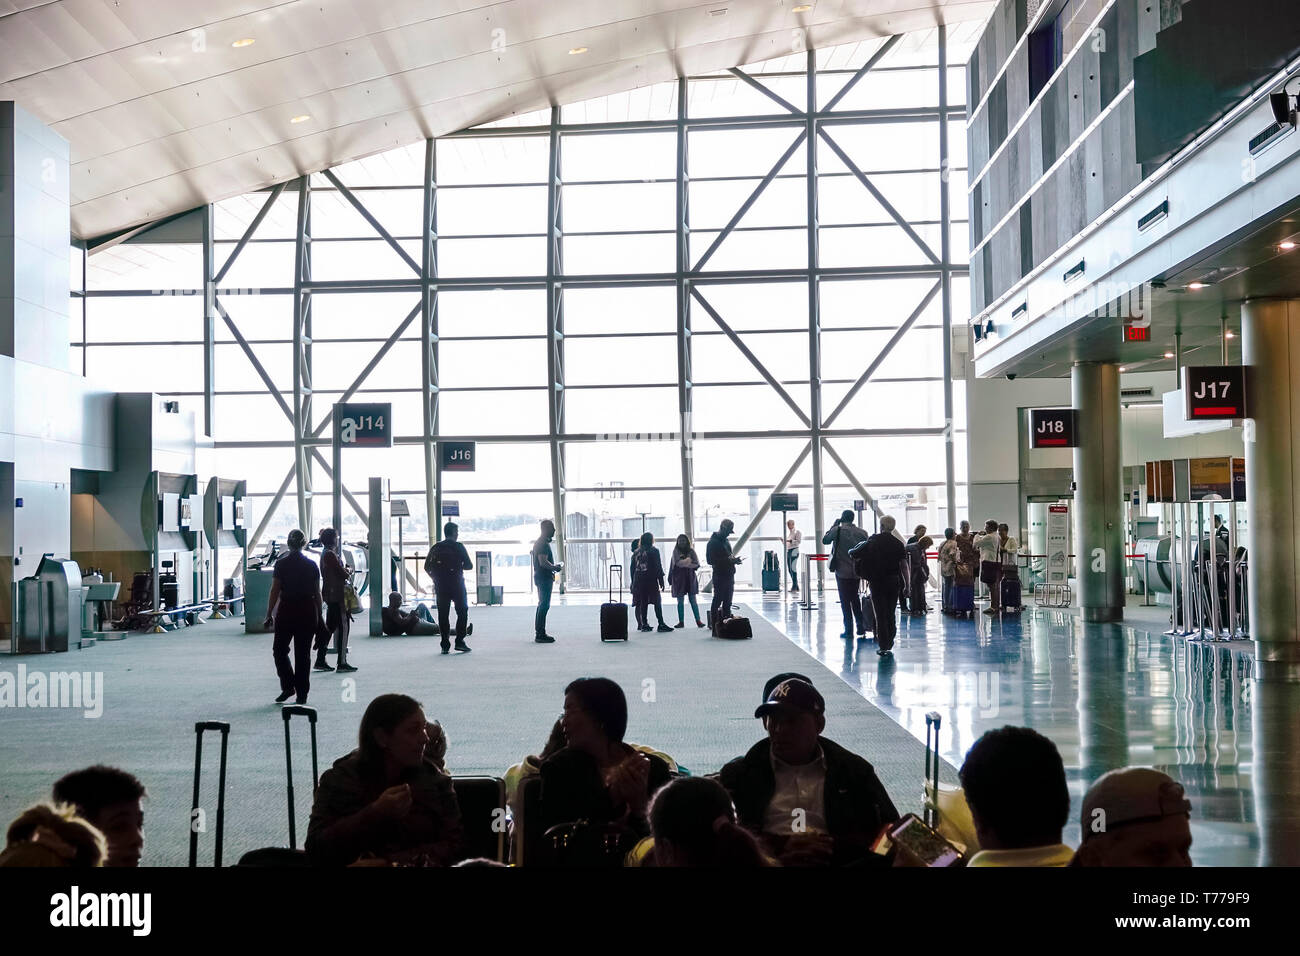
(647,583)
(683,579)
(387,798)
(338,621)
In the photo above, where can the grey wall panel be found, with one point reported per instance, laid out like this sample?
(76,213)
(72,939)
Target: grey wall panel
(1073,79)
(1090,73)
(1093,166)
(1018,85)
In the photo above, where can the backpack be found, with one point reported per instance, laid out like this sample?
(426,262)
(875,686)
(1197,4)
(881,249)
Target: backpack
(861,557)
(641,562)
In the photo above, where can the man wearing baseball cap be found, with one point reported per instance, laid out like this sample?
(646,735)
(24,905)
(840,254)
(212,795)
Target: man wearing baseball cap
(1135,816)
(810,800)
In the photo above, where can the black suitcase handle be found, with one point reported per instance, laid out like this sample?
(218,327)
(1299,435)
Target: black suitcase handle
(223,728)
(619,569)
(932,767)
(287,713)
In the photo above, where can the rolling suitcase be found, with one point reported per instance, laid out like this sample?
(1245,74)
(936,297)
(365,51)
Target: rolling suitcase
(962,598)
(613,614)
(199,728)
(310,713)
(771,580)
(1009,593)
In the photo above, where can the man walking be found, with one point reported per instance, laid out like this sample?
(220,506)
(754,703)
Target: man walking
(843,536)
(544,571)
(884,563)
(718,555)
(447,563)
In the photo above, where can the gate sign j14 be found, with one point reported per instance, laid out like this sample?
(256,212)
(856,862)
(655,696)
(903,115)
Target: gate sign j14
(364,425)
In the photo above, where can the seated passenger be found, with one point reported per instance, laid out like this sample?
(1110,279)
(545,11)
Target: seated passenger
(386,798)
(811,801)
(109,800)
(397,622)
(53,835)
(1135,816)
(596,776)
(694,824)
(1014,782)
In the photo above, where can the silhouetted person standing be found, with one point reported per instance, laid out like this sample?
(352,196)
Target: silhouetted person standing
(293,609)
(718,554)
(885,564)
(843,536)
(447,563)
(544,571)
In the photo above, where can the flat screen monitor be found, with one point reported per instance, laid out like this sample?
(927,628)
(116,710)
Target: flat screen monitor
(227,512)
(171,511)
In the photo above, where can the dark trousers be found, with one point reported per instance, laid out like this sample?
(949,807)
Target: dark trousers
(449,593)
(723,588)
(642,601)
(792,562)
(543,605)
(851,604)
(295,622)
(884,601)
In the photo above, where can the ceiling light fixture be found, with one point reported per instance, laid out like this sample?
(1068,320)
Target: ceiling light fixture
(1229,334)
(1123,369)
(1196,286)
(802,8)
(1286,246)
(577,50)
(1169,355)
(301,118)
(245,41)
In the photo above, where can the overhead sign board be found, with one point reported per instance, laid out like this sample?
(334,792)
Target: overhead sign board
(1053,427)
(1211,478)
(1238,479)
(450,509)
(364,425)
(456,455)
(400,509)
(1214,392)
(785,501)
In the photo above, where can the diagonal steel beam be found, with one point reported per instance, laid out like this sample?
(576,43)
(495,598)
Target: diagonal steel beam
(351,499)
(248,233)
(270,510)
(767,502)
(365,214)
(741,74)
(866,495)
(257,365)
(753,359)
(863,71)
(753,198)
(370,366)
(889,346)
(879,196)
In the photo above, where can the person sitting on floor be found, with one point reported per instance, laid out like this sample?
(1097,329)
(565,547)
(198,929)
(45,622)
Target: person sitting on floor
(1014,782)
(397,622)
(694,824)
(387,798)
(1135,816)
(109,800)
(810,800)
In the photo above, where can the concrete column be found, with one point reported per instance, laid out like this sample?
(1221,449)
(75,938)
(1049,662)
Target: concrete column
(1270,346)
(1098,496)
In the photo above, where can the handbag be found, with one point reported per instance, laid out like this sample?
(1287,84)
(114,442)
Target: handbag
(351,602)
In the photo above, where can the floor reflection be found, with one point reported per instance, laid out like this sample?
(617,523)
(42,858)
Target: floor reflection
(1108,695)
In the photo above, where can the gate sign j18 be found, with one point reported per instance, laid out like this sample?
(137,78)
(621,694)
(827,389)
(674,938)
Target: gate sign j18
(364,425)
(1053,428)
(1214,392)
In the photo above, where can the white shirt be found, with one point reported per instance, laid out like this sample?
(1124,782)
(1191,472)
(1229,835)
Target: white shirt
(987,545)
(792,539)
(1009,548)
(797,788)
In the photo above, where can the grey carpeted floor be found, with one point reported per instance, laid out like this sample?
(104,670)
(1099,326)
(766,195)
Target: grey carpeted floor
(689,695)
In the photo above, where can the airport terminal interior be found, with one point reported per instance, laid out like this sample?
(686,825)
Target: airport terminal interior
(516,314)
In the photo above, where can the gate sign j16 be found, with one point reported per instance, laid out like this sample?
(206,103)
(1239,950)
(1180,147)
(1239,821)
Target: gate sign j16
(364,425)
(1214,392)
(1053,428)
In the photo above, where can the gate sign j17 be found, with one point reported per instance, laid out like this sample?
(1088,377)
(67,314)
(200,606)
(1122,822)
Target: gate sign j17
(364,425)
(1053,428)
(1214,392)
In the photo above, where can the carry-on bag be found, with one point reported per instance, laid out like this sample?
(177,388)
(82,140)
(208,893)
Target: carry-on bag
(1009,593)
(946,809)
(735,629)
(288,712)
(199,728)
(771,580)
(868,612)
(613,614)
(962,600)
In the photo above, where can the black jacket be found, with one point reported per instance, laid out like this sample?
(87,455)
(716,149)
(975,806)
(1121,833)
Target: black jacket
(718,554)
(857,806)
(572,789)
(883,555)
(654,572)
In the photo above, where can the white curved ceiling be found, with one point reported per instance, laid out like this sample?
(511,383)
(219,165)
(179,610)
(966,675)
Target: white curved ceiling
(164,114)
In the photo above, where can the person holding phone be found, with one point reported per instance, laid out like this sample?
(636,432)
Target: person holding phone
(544,571)
(723,562)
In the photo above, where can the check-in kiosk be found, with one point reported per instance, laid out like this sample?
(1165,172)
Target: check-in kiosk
(49,607)
(171,519)
(224,526)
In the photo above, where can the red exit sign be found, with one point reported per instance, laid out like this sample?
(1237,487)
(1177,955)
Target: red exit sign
(1137,333)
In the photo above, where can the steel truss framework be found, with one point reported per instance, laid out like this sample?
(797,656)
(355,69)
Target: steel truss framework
(690,280)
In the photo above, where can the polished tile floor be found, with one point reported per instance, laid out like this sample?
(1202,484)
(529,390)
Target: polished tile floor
(1108,695)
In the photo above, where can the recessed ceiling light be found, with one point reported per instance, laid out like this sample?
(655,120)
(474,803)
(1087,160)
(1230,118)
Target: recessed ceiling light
(301,118)
(802,8)
(1229,335)
(1196,286)
(1123,369)
(576,50)
(1169,355)
(243,42)
(1286,246)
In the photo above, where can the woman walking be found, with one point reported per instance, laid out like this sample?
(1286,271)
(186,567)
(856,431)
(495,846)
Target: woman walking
(338,621)
(683,580)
